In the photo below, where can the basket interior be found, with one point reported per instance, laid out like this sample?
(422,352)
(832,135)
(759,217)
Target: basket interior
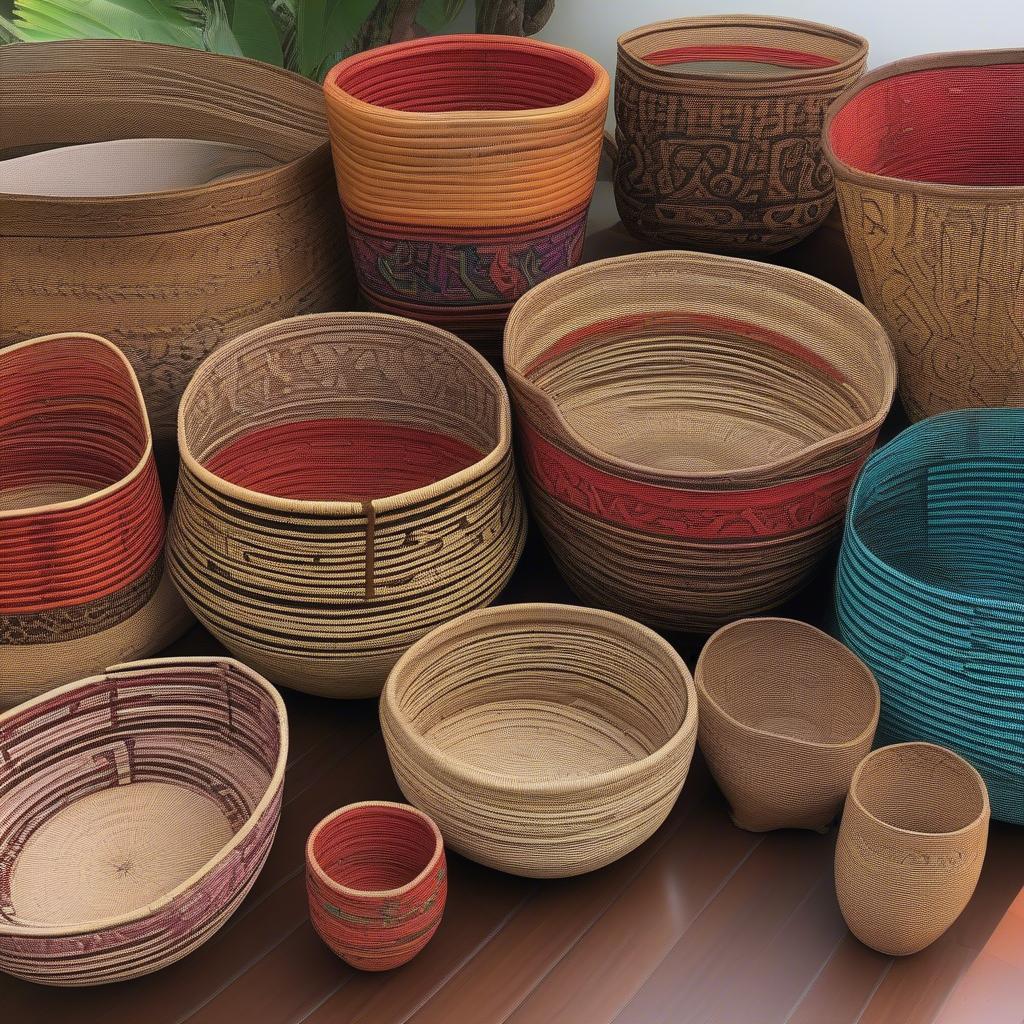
(114,794)
(919,788)
(442,75)
(375,848)
(959,125)
(542,700)
(789,679)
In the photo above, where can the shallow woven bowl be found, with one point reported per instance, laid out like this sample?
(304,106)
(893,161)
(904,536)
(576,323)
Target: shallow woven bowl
(137,809)
(911,845)
(347,484)
(545,740)
(690,426)
(718,123)
(377,882)
(786,715)
(167,275)
(82,578)
(465,165)
(930,590)
(927,160)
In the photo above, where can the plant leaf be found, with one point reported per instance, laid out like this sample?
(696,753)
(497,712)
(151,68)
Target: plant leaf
(158,21)
(437,15)
(252,24)
(326,31)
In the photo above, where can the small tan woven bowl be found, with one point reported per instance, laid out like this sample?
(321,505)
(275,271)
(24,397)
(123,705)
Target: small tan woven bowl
(545,740)
(911,845)
(786,715)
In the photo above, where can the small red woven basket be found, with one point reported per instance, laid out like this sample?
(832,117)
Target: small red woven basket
(377,882)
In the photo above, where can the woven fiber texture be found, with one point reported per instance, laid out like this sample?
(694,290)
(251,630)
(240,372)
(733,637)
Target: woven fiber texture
(927,160)
(167,276)
(377,882)
(718,125)
(930,590)
(81,517)
(347,484)
(545,740)
(690,426)
(786,715)
(911,845)
(137,808)
(465,165)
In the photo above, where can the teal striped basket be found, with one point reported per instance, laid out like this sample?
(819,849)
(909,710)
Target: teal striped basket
(930,590)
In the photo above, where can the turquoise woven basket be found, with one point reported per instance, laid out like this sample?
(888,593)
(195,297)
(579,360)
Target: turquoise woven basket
(930,590)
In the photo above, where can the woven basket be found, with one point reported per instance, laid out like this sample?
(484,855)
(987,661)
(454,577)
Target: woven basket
(347,484)
(136,809)
(465,165)
(690,426)
(911,845)
(718,125)
(377,882)
(544,740)
(786,715)
(82,582)
(930,590)
(927,160)
(167,276)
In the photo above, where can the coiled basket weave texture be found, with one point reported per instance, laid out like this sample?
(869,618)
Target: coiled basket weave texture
(137,808)
(347,484)
(911,846)
(545,740)
(82,580)
(927,159)
(167,275)
(786,715)
(690,426)
(930,590)
(718,125)
(465,165)
(377,883)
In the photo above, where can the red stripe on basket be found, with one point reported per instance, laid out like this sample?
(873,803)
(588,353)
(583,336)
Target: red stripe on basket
(760,54)
(762,514)
(685,321)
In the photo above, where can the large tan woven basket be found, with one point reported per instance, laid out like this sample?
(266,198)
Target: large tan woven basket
(690,426)
(786,715)
(927,159)
(911,845)
(167,275)
(544,740)
(82,577)
(137,808)
(347,484)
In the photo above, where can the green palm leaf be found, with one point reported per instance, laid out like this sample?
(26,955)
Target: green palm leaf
(159,21)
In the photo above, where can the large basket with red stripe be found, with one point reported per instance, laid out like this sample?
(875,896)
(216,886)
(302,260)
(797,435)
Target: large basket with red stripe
(466,166)
(690,427)
(81,517)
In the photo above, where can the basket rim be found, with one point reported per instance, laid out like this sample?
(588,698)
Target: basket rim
(155,667)
(684,260)
(390,503)
(817,634)
(844,171)
(595,95)
(411,812)
(147,451)
(550,613)
(972,772)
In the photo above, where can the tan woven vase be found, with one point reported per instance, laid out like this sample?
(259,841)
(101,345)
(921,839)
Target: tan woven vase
(786,715)
(911,845)
(166,275)
(137,808)
(927,159)
(347,484)
(718,123)
(82,580)
(690,426)
(545,740)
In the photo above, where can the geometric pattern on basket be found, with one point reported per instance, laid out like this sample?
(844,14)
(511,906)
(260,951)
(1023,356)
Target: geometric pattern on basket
(138,808)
